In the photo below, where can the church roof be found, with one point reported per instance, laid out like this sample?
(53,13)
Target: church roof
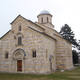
(5,34)
(30,27)
(42,33)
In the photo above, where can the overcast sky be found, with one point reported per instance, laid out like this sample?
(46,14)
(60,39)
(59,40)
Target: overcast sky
(63,11)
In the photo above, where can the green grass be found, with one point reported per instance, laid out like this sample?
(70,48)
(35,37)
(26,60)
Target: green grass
(66,75)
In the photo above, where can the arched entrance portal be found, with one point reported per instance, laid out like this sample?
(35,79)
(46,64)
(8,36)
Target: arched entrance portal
(19,56)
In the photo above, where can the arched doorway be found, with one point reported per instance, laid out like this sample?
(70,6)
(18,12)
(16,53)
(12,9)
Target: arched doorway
(19,56)
(19,65)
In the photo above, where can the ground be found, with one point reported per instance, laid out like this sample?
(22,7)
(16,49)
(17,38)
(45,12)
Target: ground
(66,75)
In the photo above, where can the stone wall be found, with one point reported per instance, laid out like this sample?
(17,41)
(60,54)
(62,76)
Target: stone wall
(52,51)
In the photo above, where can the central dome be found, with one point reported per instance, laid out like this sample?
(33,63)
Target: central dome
(44,12)
(44,17)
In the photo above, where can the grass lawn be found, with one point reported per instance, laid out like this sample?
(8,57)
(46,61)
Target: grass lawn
(66,75)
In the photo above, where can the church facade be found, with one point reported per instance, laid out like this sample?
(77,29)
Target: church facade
(34,47)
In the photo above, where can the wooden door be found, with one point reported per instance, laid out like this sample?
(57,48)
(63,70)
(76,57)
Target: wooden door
(19,65)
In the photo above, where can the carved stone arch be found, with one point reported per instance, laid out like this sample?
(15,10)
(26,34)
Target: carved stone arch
(19,54)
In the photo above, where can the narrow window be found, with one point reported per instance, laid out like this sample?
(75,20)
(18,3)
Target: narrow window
(6,55)
(42,20)
(19,41)
(47,19)
(14,37)
(19,28)
(46,52)
(34,53)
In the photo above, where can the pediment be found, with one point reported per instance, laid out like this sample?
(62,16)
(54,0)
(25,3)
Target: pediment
(18,17)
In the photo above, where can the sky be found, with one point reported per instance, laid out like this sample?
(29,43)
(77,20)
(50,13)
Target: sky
(63,11)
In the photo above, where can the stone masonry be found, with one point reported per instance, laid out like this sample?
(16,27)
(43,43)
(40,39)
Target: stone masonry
(51,50)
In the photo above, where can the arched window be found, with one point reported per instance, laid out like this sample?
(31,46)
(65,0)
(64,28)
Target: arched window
(6,55)
(20,40)
(41,20)
(34,53)
(20,28)
(47,19)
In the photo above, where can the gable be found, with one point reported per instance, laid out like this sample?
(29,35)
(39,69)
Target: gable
(19,20)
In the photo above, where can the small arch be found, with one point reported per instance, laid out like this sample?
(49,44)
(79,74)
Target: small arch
(19,54)
(18,50)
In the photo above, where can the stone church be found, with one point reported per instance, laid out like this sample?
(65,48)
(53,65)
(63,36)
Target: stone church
(34,47)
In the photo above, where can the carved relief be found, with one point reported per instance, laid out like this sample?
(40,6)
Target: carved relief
(19,54)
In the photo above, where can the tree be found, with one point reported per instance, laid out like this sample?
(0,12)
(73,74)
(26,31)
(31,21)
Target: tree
(75,56)
(68,34)
(78,47)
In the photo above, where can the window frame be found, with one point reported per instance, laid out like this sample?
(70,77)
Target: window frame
(19,28)
(47,19)
(6,55)
(19,40)
(42,20)
(34,53)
